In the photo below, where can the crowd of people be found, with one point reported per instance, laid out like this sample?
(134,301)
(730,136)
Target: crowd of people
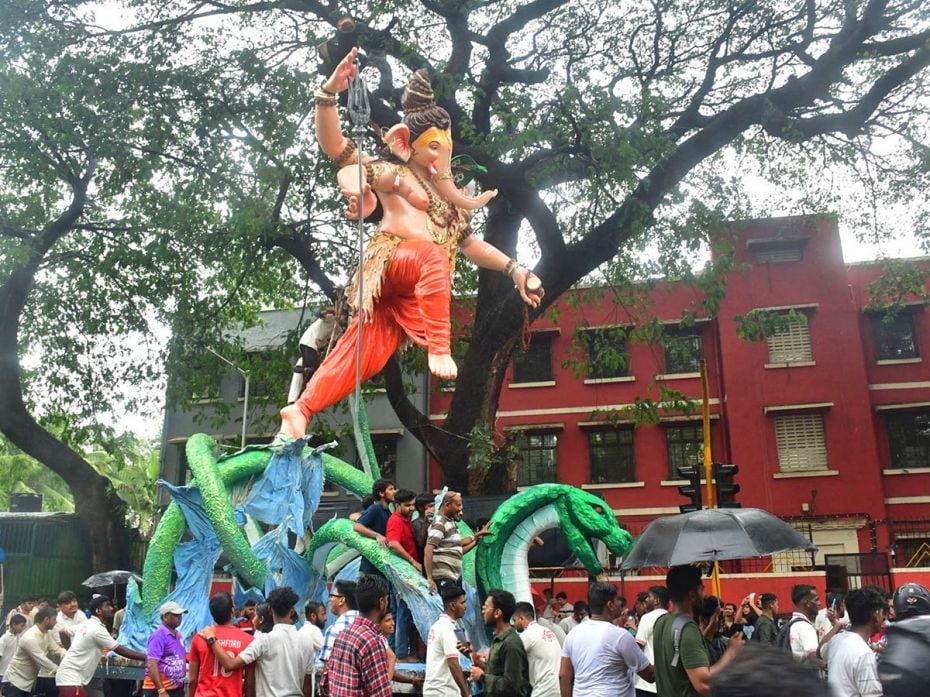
(674,641)
(49,651)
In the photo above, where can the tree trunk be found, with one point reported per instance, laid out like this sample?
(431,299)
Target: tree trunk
(498,324)
(99,510)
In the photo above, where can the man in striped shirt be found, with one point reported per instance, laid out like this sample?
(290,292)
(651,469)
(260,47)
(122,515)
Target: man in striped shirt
(341,606)
(442,557)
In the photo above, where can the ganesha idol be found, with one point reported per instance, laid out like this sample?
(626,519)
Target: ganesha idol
(406,272)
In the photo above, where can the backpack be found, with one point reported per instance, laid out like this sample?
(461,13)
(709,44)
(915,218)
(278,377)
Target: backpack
(783,638)
(677,626)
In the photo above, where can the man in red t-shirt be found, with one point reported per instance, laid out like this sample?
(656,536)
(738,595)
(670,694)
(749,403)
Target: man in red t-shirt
(399,531)
(206,677)
(399,534)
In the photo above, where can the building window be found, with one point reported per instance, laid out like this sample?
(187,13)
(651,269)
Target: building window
(534,364)
(894,337)
(777,251)
(792,344)
(683,348)
(685,447)
(385,447)
(539,458)
(607,353)
(611,453)
(801,442)
(909,438)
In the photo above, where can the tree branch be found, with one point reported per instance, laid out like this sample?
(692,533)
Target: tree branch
(777,123)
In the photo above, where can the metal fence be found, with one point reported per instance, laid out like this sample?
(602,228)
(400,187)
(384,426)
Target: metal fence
(910,542)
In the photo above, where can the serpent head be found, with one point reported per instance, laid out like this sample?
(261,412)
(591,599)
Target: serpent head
(502,557)
(584,516)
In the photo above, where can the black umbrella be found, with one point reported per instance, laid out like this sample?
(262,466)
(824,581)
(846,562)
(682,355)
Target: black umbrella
(713,534)
(110,578)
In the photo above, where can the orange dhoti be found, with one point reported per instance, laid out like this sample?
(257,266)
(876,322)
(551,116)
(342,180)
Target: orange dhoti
(413,303)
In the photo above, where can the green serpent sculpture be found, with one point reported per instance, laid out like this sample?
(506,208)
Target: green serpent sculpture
(502,557)
(500,560)
(213,477)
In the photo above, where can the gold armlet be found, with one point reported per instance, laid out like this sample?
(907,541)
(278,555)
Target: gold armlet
(444,176)
(373,173)
(321,98)
(347,152)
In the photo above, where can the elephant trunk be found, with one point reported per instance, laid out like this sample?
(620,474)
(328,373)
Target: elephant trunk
(451,193)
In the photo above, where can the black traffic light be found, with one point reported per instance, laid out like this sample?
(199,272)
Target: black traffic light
(692,490)
(727,489)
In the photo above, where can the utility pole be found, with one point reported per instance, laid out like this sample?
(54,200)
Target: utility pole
(245,396)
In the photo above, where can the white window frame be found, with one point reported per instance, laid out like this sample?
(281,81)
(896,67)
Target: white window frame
(801,442)
(792,345)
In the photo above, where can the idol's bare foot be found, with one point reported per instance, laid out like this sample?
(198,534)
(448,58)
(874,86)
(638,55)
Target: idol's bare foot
(442,366)
(293,422)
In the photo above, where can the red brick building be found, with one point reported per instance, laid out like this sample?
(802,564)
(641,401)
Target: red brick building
(828,419)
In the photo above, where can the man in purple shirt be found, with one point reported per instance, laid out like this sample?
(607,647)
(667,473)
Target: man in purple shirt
(166,658)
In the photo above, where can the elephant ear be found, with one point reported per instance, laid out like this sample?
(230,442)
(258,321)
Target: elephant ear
(398,141)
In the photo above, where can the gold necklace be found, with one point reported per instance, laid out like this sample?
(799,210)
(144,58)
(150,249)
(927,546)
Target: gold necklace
(439,211)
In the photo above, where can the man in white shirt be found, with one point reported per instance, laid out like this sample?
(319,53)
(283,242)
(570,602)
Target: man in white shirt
(25,607)
(540,606)
(802,636)
(444,675)
(823,624)
(543,651)
(69,617)
(88,642)
(37,650)
(314,343)
(315,614)
(549,604)
(852,668)
(9,642)
(579,615)
(599,658)
(562,607)
(656,606)
(284,655)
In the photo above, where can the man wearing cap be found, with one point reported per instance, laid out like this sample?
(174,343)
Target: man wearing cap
(444,675)
(88,641)
(165,657)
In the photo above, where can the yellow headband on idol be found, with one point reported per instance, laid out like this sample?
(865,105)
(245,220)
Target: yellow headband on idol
(430,134)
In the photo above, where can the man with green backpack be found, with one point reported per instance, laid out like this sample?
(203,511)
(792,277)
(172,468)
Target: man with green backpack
(682,662)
